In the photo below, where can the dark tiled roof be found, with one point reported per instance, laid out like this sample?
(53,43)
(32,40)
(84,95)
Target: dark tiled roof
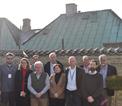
(68,52)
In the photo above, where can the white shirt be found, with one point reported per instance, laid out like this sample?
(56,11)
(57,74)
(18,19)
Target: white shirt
(86,69)
(103,72)
(51,68)
(71,83)
(92,72)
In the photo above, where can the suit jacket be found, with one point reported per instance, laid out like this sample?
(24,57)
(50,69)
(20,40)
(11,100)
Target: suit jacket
(5,73)
(79,75)
(110,72)
(47,67)
(82,67)
(59,87)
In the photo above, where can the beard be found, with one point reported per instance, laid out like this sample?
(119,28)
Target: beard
(92,69)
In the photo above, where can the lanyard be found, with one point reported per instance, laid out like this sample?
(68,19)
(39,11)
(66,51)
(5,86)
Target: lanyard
(72,75)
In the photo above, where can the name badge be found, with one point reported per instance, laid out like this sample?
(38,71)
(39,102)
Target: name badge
(9,75)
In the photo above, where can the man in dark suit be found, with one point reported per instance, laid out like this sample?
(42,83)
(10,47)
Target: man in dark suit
(52,61)
(86,61)
(73,83)
(7,80)
(106,70)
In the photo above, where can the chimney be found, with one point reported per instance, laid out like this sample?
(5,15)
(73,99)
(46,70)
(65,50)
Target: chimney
(26,25)
(71,8)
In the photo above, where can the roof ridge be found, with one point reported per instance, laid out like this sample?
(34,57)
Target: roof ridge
(42,29)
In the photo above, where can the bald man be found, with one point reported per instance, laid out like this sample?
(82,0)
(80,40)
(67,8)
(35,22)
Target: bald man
(73,83)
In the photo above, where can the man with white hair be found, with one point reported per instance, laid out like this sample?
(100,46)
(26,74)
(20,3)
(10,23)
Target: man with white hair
(106,70)
(86,61)
(52,61)
(38,84)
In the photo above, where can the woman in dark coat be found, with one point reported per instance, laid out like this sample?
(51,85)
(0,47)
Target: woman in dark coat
(21,78)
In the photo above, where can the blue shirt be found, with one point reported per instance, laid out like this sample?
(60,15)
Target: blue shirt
(103,72)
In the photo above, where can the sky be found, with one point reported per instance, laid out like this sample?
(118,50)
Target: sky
(42,12)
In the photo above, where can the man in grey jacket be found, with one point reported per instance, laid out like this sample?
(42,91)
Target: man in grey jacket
(7,78)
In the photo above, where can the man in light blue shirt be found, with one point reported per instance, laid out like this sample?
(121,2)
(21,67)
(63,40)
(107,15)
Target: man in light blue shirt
(38,84)
(106,70)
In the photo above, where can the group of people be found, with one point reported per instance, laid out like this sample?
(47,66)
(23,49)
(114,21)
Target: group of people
(54,85)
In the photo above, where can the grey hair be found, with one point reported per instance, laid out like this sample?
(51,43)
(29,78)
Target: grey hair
(101,56)
(10,54)
(71,58)
(52,53)
(39,62)
(84,57)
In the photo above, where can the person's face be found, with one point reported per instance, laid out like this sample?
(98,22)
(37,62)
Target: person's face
(86,61)
(103,61)
(24,64)
(9,59)
(53,58)
(38,68)
(92,66)
(35,58)
(72,62)
(57,69)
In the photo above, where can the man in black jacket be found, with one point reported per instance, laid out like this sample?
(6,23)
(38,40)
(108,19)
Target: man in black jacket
(106,70)
(86,61)
(73,83)
(52,61)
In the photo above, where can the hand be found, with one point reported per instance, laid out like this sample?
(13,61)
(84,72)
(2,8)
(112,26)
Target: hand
(38,95)
(90,99)
(22,93)
(56,95)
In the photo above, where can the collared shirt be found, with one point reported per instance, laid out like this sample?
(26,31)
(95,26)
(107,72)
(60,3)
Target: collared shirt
(92,72)
(32,90)
(103,72)
(51,68)
(86,69)
(37,75)
(71,84)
